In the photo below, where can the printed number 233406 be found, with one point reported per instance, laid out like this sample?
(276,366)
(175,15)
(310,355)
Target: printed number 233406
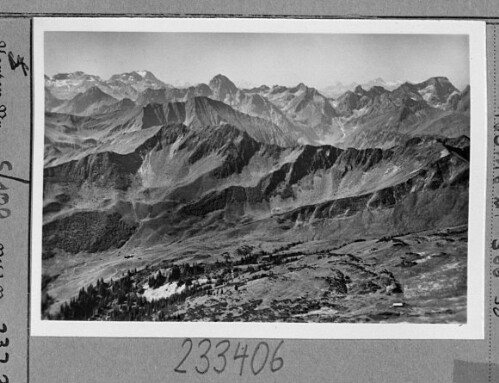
(216,356)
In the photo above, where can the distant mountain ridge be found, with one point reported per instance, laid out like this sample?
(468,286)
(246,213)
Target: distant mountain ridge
(361,117)
(337,89)
(124,85)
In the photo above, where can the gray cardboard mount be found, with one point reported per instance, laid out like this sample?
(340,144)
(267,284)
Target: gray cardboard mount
(66,360)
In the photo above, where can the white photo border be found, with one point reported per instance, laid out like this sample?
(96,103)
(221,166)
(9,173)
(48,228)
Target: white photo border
(472,329)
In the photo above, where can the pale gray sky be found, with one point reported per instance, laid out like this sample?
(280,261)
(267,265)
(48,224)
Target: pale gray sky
(317,60)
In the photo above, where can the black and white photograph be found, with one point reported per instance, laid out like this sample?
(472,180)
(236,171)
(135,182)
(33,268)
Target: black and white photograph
(314,177)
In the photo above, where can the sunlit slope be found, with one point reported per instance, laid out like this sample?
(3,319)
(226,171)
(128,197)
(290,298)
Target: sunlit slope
(172,181)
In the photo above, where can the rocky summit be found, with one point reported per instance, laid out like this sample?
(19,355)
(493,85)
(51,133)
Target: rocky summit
(274,203)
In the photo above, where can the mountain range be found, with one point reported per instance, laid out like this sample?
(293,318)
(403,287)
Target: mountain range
(133,163)
(337,89)
(296,115)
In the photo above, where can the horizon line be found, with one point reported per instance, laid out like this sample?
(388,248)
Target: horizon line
(186,84)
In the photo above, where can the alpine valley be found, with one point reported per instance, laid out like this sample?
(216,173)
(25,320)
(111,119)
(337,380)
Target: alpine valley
(216,203)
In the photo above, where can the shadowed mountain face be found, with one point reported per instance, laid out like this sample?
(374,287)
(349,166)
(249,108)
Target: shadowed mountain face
(86,103)
(269,164)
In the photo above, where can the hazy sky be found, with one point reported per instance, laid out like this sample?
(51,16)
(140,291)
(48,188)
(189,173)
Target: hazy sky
(317,60)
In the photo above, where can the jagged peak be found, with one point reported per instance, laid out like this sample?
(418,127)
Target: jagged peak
(73,75)
(377,88)
(406,85)
(278,89)
(359,90)
(136,75)
(144,73)
(261,88)
(221,79)
(220,76)
(301,87)
(93,92)
(438,79)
